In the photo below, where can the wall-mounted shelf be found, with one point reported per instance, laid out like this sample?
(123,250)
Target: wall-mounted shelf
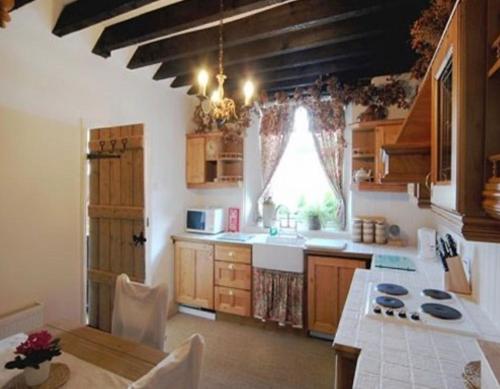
(215,185)
(367,141)
(379,187)
(212,162)
(363,156)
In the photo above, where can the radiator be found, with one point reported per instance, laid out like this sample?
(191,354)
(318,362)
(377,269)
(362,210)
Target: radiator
(24,320)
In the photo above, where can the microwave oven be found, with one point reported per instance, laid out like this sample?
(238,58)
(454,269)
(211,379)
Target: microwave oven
(205,220)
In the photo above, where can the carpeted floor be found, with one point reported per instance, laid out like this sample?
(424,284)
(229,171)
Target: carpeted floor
(250,357)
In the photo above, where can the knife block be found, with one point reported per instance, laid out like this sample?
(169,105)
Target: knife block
(455,279)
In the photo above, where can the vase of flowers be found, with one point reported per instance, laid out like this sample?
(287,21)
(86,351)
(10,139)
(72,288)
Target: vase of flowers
(34,356)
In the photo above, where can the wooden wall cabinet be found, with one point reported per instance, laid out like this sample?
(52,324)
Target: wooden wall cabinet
(194,274)
(367,141)
(452,127)
(212,162)
(329,280)
(195,160)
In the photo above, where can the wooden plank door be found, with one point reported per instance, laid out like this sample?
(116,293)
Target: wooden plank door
(116,216)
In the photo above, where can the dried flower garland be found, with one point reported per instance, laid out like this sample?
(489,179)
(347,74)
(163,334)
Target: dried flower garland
(377,98)
(426,32)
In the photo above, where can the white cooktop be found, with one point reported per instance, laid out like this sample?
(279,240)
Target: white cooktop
(413,315)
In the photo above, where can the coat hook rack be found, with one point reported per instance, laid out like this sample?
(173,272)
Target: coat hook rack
(104,155)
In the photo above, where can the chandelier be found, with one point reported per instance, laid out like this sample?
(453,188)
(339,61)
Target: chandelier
(221,108)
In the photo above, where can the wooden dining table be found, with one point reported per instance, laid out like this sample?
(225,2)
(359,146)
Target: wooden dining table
(120,356)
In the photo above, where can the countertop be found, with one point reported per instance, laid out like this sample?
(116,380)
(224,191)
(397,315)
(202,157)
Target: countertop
(355,250)
(401,356)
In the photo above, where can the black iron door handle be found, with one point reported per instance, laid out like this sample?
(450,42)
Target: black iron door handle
(139,239)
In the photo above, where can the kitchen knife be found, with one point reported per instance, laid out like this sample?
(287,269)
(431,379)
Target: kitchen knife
(443,261)
(452,244)
(445,248)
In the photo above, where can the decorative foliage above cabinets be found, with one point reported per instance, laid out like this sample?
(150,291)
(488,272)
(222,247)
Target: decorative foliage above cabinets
(5,7)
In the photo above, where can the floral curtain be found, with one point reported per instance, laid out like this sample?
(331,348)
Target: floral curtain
(327,123)
(276,126)
(278,296)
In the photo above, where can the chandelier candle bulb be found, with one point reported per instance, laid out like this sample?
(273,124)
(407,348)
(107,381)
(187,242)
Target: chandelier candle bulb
(248,90)
(203,82)
(215,97)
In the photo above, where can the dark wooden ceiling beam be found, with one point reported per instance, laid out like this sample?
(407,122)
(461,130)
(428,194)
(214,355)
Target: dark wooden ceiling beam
(171,19)
(20,3)
(265,48)
(295,16)
(319,55)
(301,72)
(84,13)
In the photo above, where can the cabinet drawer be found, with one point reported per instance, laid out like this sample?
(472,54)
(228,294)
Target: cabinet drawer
(230,253)
(233,301)
(233,275)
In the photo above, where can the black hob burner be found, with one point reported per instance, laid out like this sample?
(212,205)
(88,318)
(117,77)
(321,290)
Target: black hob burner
(437,294)
(389,302)
(441,311)
(392,289)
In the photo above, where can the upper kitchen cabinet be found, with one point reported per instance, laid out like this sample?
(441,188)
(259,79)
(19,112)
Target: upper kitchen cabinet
(213,161)
(452,128)
(367,140)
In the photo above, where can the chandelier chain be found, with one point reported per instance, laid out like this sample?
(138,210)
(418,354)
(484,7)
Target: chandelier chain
(221,38)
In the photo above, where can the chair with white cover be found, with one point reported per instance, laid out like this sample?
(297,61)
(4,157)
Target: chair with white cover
(140,312)
(180,370)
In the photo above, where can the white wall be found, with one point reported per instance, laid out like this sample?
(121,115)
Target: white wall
(52,90)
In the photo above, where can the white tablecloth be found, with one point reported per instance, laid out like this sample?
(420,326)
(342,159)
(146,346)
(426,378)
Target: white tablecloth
(84,375)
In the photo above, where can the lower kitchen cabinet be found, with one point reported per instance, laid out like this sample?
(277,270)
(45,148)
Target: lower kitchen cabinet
(234,301)
(233,275)
(194,274)
(329,280)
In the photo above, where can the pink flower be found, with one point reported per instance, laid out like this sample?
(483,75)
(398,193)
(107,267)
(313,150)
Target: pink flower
(35,342)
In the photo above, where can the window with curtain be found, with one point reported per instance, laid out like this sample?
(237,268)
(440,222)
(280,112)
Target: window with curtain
(299,184)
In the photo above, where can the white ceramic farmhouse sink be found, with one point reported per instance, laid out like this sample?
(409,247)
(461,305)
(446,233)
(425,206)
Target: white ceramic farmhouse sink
(284,253)
(286,240)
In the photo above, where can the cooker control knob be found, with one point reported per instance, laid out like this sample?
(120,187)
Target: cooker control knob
(415,316)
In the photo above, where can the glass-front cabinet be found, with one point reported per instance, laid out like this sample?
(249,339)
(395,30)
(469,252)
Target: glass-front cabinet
(444,120)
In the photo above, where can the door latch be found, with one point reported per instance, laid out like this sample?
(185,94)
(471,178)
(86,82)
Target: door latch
(139,239)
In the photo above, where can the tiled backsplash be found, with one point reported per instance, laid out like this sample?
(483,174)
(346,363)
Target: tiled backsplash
(486,276)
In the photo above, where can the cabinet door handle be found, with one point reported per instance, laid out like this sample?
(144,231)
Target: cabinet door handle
(231,254)
(427,181)
(231,266)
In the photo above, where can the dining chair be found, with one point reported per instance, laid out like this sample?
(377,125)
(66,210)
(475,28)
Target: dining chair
(140,312)
(180,370)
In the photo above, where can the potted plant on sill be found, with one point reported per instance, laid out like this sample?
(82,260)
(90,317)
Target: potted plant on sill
(313,215)
(34,356)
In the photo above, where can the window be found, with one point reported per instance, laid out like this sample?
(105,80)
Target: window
(300,186)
